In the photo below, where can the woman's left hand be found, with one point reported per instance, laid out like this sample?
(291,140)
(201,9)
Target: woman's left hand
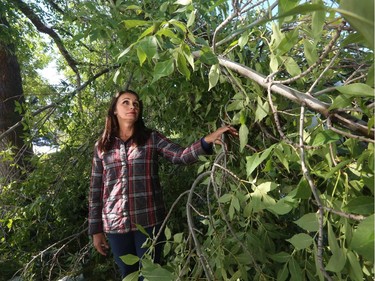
(215,137)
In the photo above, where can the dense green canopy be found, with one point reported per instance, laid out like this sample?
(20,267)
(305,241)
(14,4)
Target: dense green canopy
(292,198)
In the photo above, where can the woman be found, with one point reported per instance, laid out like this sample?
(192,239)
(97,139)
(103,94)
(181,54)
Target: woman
(125,190)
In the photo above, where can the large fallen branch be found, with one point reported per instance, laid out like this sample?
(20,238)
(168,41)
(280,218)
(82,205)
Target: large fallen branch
(346,121)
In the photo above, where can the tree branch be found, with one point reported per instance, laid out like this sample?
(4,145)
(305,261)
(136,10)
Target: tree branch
(29,13)
(55,104)
(314,190)
(345,120)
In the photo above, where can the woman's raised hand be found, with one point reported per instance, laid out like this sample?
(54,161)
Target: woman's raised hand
(215,137)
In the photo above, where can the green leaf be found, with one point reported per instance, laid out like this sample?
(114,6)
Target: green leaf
(242,41)
(162,69)
(340,101)
(182,66)
(149,46)
(117,73)
(360,15)
(291,66)
(191,19)
(301,241)
(283,273)
(252,162)
(300,10)
(182,2)
(295,270)
(282,207)
(274,63)
(213,76)
(225,198)
(187,53)
(243,133)
(310,52)
(325,137)
(318,18)
(136,8)
(281,257)
(337,261)
(179,25)
(132,276)
(332,240)
(135,23)
(127,50)
(336,168)
(355,270)
(129,259)
(308,222)
(167,32)
(154,272)
(262,110)
(235,203)
(141,56)
(363,205)
(147,32)
(303,190)
(244,258)
(363,239)
(167,233)
(208,57)
(356,90)
(276,37)
(178,237)
(266,187)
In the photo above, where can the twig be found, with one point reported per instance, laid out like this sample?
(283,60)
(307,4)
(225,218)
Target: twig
(345,215)
(320,59)
(248,27)
(322,74)
(40,254)
(349,135)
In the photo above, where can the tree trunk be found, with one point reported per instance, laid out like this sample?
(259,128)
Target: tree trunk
(10,92)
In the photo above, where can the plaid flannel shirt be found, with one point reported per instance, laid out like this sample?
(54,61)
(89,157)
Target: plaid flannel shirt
(125,188)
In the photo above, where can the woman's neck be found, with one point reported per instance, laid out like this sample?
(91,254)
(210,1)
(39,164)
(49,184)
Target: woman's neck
(126,131)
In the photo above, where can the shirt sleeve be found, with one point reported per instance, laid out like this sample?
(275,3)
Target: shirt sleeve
(96,195)
(176,153)
(208,147)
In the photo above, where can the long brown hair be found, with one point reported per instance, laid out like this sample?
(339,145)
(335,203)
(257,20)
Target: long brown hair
(111,130)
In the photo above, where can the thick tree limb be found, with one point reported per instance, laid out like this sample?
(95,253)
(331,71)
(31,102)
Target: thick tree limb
(29,13)
(344,120)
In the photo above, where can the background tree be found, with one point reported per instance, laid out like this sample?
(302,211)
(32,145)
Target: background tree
(291,198)
(11,97)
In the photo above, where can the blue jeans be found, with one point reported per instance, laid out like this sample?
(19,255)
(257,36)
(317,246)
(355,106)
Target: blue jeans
(131,243)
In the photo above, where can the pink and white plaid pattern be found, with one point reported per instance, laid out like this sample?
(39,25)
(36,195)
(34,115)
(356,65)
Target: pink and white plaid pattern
(125,189)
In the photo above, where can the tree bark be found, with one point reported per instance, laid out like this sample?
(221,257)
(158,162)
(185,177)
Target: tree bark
(10,92)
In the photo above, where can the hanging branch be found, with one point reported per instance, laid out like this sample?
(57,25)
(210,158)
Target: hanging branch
(223,213)
(203,259)
(314,190)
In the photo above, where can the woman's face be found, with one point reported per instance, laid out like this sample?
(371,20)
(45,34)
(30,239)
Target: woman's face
(127,108)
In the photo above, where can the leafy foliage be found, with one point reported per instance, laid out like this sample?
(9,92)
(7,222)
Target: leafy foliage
(290,199)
